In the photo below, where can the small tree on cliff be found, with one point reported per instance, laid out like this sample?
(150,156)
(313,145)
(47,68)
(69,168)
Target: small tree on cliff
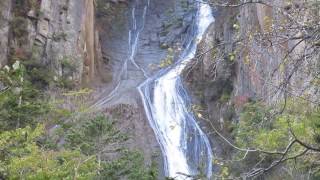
(286,135)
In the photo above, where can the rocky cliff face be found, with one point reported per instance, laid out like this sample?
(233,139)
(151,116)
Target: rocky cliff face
(5,16)
(164,28)
(210,78)
(276,60)
(245,57)
(85,40)
(57,35)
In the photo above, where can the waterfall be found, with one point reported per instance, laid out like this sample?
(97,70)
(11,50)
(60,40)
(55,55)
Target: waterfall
(185,147)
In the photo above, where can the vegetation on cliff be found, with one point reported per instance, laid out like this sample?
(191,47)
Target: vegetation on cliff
(41,140)
(274,129)
(272,125)
(285,145)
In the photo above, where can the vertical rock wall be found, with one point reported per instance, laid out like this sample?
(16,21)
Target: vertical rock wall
(272,65)
(209,78)
(58,35)
(5,15)
(236,64)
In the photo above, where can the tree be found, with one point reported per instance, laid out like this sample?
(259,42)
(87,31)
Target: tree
(93,148)
(95,135)
(21,103)
(98,137)
(21,157)
(290,139)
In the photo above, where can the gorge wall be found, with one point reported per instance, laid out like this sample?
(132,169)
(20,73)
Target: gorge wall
(57,35)
(85,43)
(245,59)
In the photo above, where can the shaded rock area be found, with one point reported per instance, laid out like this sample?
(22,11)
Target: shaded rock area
(209,79)
(262,69)
(235,65)
(132,121)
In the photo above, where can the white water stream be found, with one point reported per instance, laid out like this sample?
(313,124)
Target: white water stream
(185,147)
(138,16)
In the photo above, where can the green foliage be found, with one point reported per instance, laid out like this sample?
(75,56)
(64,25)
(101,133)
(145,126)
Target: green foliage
(20,103)
(254,116)
(232,57)
(186,5)
(98,136)
(68,67)
(168,60)
(23,153)
(225,97)
(261,128)
(20,27)
(22,7)
(92,136)
(130,165)
(59,36)
(22,158)
(27,152)
(40,77)
(65,83)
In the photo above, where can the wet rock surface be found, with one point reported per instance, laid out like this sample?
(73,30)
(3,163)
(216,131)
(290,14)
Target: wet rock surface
(161,17)
(132,121)
(165,25)
(209,78)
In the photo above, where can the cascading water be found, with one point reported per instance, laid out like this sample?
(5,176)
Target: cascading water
(138,16)
(185,147)
(134,34)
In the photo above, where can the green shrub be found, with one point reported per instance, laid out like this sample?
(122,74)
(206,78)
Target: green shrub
(93,135)
(19,26)
(21,103)
(59,36)
(22,158)
(98,136)
(225,97)
(130,165)
(261,128)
